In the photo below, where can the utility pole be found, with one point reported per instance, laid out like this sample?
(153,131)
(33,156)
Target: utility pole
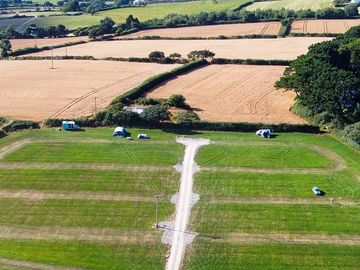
(66,51)
(94,105)
(52,58)
(157,210)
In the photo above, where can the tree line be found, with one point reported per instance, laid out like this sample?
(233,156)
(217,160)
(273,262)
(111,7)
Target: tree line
(327,83)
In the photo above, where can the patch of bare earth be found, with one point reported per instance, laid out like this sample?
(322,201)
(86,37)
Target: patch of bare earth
(78,234)
(17,44)
(278,48)
(323,26)
(282,200)
(234,93)
(22,265)
(32,90)
(287,238)
(36,195)
(228,30)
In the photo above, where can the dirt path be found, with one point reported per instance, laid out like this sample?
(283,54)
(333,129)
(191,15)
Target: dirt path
(77,234)
(286,238)
(19,264)
(36,195)
(13,147)
(184,201)
(284,200)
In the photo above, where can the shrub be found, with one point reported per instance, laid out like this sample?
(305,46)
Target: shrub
(186,117)
(177,101)
(20,125)
(351,133)
(156,56)
(155,113)
(148,101)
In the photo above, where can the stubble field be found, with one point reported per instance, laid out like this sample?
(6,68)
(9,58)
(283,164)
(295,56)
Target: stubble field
(68,90)
(41,42)
(323,26)
(282,48)
(227,30)
(233,93)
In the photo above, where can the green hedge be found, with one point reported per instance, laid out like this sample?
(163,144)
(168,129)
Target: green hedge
(20,125)
(225,61)
(252,36)
(150,83)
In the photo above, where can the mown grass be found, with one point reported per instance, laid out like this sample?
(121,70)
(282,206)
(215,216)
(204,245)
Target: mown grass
(231,217)
(86,255)
(70,22)
(124,152)
(232,185)
(261,156)
(159,11)
(82,213)
(125,181)
(291,4)
(213,256)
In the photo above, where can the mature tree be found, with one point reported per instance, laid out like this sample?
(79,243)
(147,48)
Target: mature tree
(156,113)
(202,54)
(5,47)
(120,3)
(177,101)
(351,10)
(95,6)
(175,56)
(71,6)
(4,4)
(156,56)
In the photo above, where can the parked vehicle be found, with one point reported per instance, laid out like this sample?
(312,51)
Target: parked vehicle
(143,136)
(316,191)
(69,125)
(265,133)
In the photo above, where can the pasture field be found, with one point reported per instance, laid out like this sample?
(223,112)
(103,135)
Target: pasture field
(233,93)
(268,218)
(291,4)
(69,89)
(159,11)
(89,203)
(228,30)
(281,48)
(323,26)
(26,43)
(70,22)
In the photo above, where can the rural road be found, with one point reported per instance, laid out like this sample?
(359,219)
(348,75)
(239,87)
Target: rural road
(184,202)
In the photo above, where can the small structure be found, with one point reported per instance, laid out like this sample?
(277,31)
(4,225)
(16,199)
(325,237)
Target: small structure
(265,133)
(120,131)
(69,125)
(316,191)
(143,136)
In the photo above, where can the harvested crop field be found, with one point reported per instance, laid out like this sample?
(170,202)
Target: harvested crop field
(228,30)
(69,89)
(26,43)
(234,93)
(323,26)
(280,48)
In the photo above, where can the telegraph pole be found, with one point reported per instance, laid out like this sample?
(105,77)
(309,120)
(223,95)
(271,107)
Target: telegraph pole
(94,105)
(52,58)
(157,210)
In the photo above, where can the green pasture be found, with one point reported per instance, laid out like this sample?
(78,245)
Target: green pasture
(86,255)
(138,182)
(213,256)
(70,22)
(121,152)
(261,156)
(82,213)
(232,185)
(231,217)
(158,11)
(291,4)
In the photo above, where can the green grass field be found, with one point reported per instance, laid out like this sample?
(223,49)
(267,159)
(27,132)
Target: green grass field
(70,22)
(161,10)
(230,202)
(291,4)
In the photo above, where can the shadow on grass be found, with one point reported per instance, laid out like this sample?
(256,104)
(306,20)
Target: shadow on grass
(182,132)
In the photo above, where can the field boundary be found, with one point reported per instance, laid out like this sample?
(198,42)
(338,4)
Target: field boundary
(288,238)
(34,265)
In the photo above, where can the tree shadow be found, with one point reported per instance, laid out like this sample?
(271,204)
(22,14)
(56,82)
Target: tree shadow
(187,132)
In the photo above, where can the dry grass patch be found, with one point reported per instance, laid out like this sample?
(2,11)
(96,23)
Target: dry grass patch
(323,26)
(228,30)
(282,48)
(17,44)
(68,90)
(234,93)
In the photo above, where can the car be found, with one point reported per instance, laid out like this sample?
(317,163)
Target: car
(316,191)
(265,133)
(143,136)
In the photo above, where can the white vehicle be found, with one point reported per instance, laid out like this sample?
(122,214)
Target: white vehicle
(143,136)
(265,133)
(316,191)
